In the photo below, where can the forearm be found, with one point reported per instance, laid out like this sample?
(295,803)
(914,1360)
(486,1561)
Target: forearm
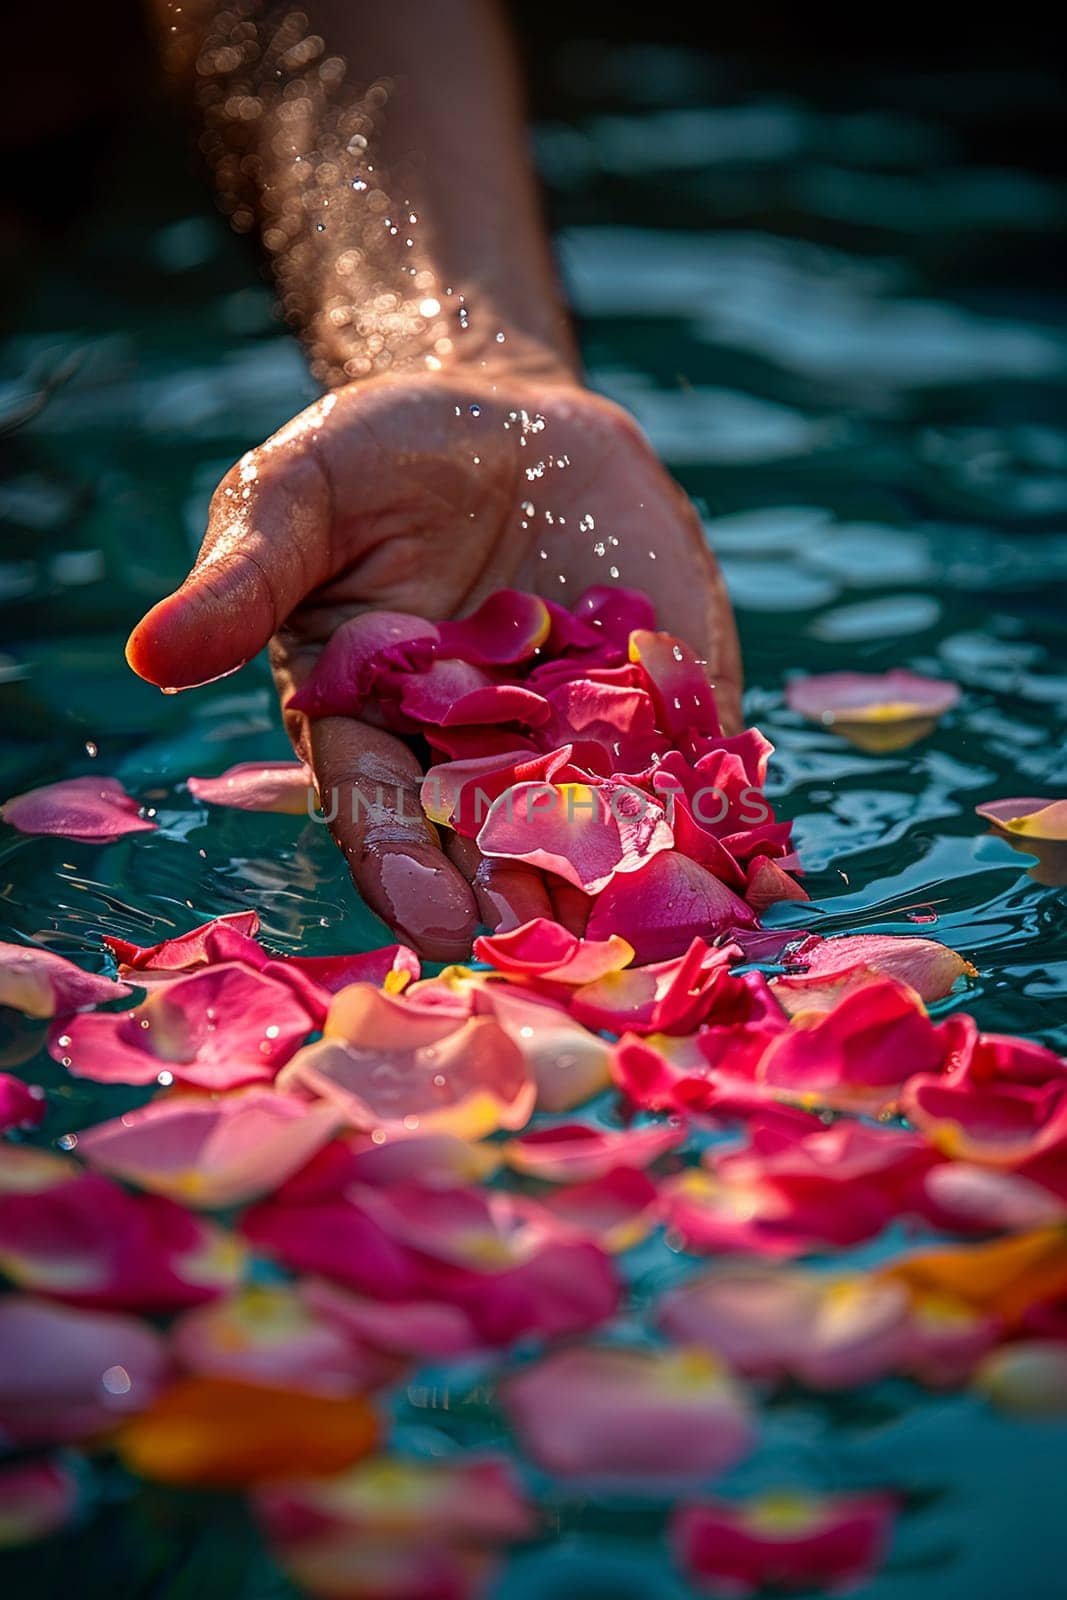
(378,147)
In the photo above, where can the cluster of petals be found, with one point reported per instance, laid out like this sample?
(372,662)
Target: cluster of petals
(418,1170)
(585,745)
(503,1267)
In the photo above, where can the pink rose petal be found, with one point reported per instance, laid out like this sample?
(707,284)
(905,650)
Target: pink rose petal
(678,684)
(211,1151)
(22,1105)
(67,1374)
(92,810)
(664,906)
(357,653)
(857,1054)
(587,834)
(274,1335)
(38,1497)
(825,1544)
(617,1417)
(510,626)
(468,1079)
(828,1331)
(76,1236)
(615,611)
(216,1028)
(224,938)
(665,997)
(574,1153)
(929,968)
(898,695)
(1028,819)
(287,786)
(545,951)
(40,983)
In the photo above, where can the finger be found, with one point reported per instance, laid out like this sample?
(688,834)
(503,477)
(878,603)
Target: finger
(267,545)
(369,790)
(507,894)
(570,906)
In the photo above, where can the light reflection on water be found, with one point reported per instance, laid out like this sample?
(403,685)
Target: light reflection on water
(784,293)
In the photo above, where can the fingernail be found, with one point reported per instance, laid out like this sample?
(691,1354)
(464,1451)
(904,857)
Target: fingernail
(419,894)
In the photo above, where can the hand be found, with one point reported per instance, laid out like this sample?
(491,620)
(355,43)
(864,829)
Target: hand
(413,494)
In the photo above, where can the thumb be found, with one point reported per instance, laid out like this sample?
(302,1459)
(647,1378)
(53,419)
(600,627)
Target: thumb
(266,547)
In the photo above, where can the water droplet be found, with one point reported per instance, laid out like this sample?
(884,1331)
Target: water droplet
(116,1380)
(587,523)
(411,1122)
(528,508)
(613,572)
(475,409)
(165,1079)
(359,184)
(600,548)
(526,1033)
(91,747)
(677,653)
(67,1141)
(63,1041)
(378,1136)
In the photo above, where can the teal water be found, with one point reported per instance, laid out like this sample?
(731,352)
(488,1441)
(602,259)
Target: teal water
(840,329)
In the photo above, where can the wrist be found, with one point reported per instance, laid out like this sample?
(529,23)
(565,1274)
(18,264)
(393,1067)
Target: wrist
(455,331)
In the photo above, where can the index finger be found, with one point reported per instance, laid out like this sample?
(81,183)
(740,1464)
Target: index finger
(368,783)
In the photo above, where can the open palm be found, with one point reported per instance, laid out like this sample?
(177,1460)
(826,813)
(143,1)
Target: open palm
(425,494)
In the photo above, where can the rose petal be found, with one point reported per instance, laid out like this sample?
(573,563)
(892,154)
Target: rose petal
(1028,819)
(829,1332)
(930,968)
(92,810)
(357,652)
(224,938)
(22,1105)
(37,1498)
(40,983)
(541,949)
(79,1237)
(573,1153)
(585,834)
(677,682)
(509,626)
(274,1334)
(665,997)
(221,1433)
(896,696)
(211,1151)
(476,1499)
(216,1029)
(786,1540)
(287,786)
(617,1416)
(664,906)
(67,1374)
(470,1081)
